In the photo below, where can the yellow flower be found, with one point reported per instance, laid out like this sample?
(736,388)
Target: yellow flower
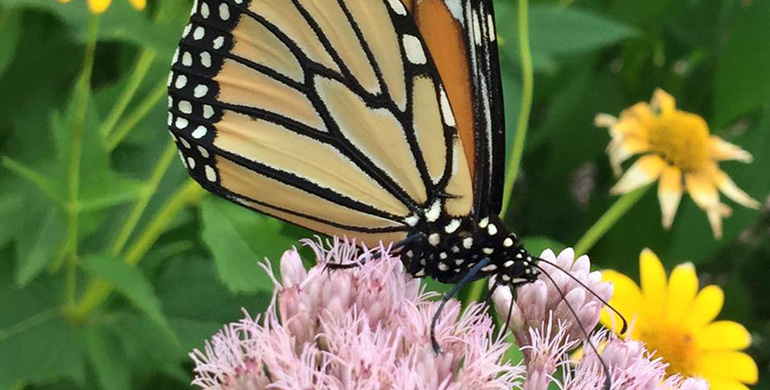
(99,6)
(677,321)
(677,149)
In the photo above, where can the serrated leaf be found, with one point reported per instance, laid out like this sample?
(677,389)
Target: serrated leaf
(742,82)
(239,239)
(107,359)
(37,247)
(129,281)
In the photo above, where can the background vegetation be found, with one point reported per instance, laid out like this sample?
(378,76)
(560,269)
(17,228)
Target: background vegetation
(113,266)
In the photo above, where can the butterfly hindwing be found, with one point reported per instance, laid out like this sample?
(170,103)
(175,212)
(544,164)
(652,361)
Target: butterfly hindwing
(328,114)
(461,37)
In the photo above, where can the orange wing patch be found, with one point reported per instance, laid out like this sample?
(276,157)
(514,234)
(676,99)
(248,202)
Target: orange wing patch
(445,38)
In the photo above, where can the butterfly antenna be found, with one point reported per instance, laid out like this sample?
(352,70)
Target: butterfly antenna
(605,368)
(470,275)
(592,292)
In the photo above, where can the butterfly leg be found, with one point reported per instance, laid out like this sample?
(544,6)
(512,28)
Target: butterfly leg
(469,276)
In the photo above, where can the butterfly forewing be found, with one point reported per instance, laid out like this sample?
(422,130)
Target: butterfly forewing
(328,114)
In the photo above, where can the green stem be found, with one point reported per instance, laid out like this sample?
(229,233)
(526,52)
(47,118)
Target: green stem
(610,217)
(133,119)
(141,204)
(527,88)
(134,82)
(40,181)
(82,94)
(98,290)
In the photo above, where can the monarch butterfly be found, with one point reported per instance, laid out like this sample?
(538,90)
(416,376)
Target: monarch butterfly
(380,120)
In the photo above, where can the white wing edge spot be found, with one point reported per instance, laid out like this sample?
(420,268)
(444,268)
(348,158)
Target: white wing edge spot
(414,51)
(446,110)
(397,7)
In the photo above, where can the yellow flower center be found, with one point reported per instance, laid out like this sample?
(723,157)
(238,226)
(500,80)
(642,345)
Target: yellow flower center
(676,346)
(682,139)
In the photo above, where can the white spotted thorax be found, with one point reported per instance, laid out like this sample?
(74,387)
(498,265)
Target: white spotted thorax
(446,248)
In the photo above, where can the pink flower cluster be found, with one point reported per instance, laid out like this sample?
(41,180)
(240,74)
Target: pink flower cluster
(365,328)
(369,328)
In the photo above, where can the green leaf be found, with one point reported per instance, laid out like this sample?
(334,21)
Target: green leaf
(558,32)
(742,82)
(569,31)
(37,345)
(107,359)
(130,282)
(10,210)
(39,246)
(198,304)
(239,239)
(10,31)
(111,193)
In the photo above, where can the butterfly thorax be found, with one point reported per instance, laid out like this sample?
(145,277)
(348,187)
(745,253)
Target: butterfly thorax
(448,248)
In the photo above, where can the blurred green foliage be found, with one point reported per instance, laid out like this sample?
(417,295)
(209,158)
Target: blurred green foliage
(153,266)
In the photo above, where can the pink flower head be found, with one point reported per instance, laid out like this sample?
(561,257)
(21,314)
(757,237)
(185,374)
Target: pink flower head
(364,328)
(541,301)
(631,367)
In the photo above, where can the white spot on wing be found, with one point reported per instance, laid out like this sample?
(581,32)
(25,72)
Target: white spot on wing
(211,174)
(491,31)
(413,48)
(433,212)
(397,7)
(446,110)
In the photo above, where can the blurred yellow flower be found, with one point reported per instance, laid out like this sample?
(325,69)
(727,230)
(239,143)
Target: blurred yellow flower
(679,152)
(99,6)
(677,321)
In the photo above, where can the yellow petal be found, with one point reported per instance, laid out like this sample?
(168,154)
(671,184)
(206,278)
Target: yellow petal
(669,193)
(722,150)
(626,298)
(726,384)
(663,102)
(640,112)
(644,171)
(138,4)
(605,120)
(704,193)
(723,335)
(98,6)
(728,365)
(728,187)
(653,278)
(682,289)
(621,149)
(707,305)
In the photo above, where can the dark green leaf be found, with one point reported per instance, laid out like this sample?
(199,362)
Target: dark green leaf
(129,281)
(38,246)
(239,239)
(37,345)
(197,304)
(107,359)
(742,81)
(10,30)
(111,193)
(569,31)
